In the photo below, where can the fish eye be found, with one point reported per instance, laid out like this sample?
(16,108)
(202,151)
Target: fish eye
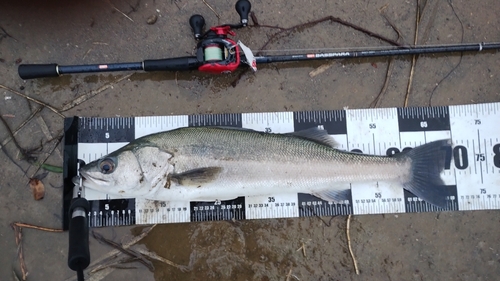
(107,166)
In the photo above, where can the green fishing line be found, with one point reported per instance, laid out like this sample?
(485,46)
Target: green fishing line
(213,53)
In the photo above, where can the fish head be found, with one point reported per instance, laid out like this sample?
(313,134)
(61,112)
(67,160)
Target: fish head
(128,172)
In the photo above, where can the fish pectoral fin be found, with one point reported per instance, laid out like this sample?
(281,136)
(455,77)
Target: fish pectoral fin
(334,195)
(316,135)
(197,176)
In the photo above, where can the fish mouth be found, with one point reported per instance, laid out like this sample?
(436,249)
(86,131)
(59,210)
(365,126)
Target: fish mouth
(92,180)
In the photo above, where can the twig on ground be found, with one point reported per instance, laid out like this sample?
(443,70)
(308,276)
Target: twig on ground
(99,275)
(388,73)
(425,35)
(286,31)
(14,133)
(254,19)
(113,264)
(88,52)
(7,34)
(349,245)
(125,15)
(155,256)
(291,275)
(93,274)
(115,252)
(15,276)
(83,98)
(41,163)
(19,239)
(210,7)
(32,226)
(390,64)
(46,132)
(11,135)
(394,27)
(256,22)
(461,55)
(322,68)
(315,22)
(127,251)
(303,248)
(414,57)
(32,99)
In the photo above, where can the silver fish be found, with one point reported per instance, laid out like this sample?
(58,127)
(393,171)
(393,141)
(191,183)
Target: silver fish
(211,163)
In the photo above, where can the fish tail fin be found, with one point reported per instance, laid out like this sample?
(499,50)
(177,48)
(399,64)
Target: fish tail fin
(427,163)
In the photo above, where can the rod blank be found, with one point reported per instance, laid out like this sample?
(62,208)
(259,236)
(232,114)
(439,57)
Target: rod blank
(417,50)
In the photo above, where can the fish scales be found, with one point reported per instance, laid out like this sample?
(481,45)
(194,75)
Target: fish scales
(273,155)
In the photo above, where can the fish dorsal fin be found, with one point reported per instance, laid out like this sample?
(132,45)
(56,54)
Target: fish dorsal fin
(198,176)
(333,195)
(316,135)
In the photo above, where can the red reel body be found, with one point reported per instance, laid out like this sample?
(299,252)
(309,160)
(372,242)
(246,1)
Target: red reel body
(218,53)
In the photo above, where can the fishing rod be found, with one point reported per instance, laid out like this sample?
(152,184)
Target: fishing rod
(216,53)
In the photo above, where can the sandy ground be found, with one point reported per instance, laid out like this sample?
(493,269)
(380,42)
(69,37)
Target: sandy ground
(431,246)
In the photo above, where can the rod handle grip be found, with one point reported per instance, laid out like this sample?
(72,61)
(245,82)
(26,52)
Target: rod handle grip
(30,71)
(79,253)
(173,64)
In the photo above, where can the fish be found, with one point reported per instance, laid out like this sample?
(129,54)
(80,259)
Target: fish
(217,163)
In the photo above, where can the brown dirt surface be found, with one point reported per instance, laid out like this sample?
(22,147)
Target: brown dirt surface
(428,246)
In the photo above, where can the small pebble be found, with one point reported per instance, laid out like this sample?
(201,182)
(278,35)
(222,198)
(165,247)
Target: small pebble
(152,19)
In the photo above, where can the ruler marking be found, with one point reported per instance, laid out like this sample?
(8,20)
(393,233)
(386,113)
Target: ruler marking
(480,159)
(473,155)
(374,144)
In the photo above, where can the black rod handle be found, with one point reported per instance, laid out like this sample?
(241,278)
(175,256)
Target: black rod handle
(79,254)
(173,64)
(31,71)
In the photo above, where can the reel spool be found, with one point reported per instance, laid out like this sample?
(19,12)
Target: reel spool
(213,52)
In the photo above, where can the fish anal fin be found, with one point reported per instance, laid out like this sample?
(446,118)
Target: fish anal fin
(316,135)
(334,195)
(197,176)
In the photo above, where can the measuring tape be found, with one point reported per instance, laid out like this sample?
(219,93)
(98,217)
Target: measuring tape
(471,174)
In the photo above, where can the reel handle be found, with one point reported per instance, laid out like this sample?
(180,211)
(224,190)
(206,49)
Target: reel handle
(197,23)
(243,9)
